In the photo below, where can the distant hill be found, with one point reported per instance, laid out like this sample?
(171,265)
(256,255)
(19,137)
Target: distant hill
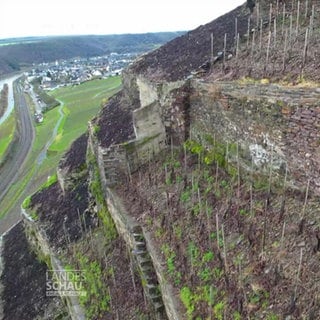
(21,52)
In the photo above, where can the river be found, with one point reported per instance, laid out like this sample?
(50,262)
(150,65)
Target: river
(9,81)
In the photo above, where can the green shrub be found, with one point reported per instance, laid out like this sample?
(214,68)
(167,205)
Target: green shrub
(50,181)
(186,297)
(26,202)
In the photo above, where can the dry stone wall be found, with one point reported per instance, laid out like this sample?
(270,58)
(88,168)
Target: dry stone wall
(115,164)
(39,243)
(274,125)
(156,292)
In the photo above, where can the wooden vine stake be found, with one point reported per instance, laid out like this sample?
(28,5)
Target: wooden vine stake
(283,18)
(270,16)
(268,51)
(305,200)
(298,274)
(303,213)
(270,172)
(311,21)
(251,188)
(258,13)
(275,33)
(282,235)
(283,200)
(238,174)
(217,230)
(199,202)
(253,43)
(224,50)
(84,222)
(211,297)
(217,174)
(290,29)
(208,222)
(235,31)
(298,18)
(224,249)
(227,155)
(248,32)
(185,158)
(211,54)
(80,222)
(306,10)
(285,50)
(260,40)
(305,48)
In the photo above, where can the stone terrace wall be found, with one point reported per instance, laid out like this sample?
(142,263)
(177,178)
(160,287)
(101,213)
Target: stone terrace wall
(117,162)
(268,122)
(146,258)
(40,245)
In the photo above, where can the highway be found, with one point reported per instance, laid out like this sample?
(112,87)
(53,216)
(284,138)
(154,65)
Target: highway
(12,169)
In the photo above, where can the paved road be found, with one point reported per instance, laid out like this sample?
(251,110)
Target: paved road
(11,170)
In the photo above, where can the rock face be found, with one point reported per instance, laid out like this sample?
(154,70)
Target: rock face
(240,126)
(274,126)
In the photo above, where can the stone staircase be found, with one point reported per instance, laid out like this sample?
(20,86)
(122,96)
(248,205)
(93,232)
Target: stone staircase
(147,272)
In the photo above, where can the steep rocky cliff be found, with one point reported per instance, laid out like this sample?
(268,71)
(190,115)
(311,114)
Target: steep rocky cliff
(194,197)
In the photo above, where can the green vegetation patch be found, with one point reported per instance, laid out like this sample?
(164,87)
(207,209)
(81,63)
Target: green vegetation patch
(202,223)
(7,130)
(50,181)
(96,298)
(81,103)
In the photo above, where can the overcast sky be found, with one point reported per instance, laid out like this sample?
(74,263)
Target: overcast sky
(60,17)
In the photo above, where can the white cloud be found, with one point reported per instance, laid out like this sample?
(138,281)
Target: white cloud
(47,17)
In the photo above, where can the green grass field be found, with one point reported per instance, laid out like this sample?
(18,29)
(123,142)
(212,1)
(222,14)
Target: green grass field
(79,104)
(6,134)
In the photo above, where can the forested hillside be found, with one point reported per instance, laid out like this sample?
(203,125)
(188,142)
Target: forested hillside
(18,53)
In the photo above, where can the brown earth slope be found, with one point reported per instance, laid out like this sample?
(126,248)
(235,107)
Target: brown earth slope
(24,281)
(179,57)
(279,50)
